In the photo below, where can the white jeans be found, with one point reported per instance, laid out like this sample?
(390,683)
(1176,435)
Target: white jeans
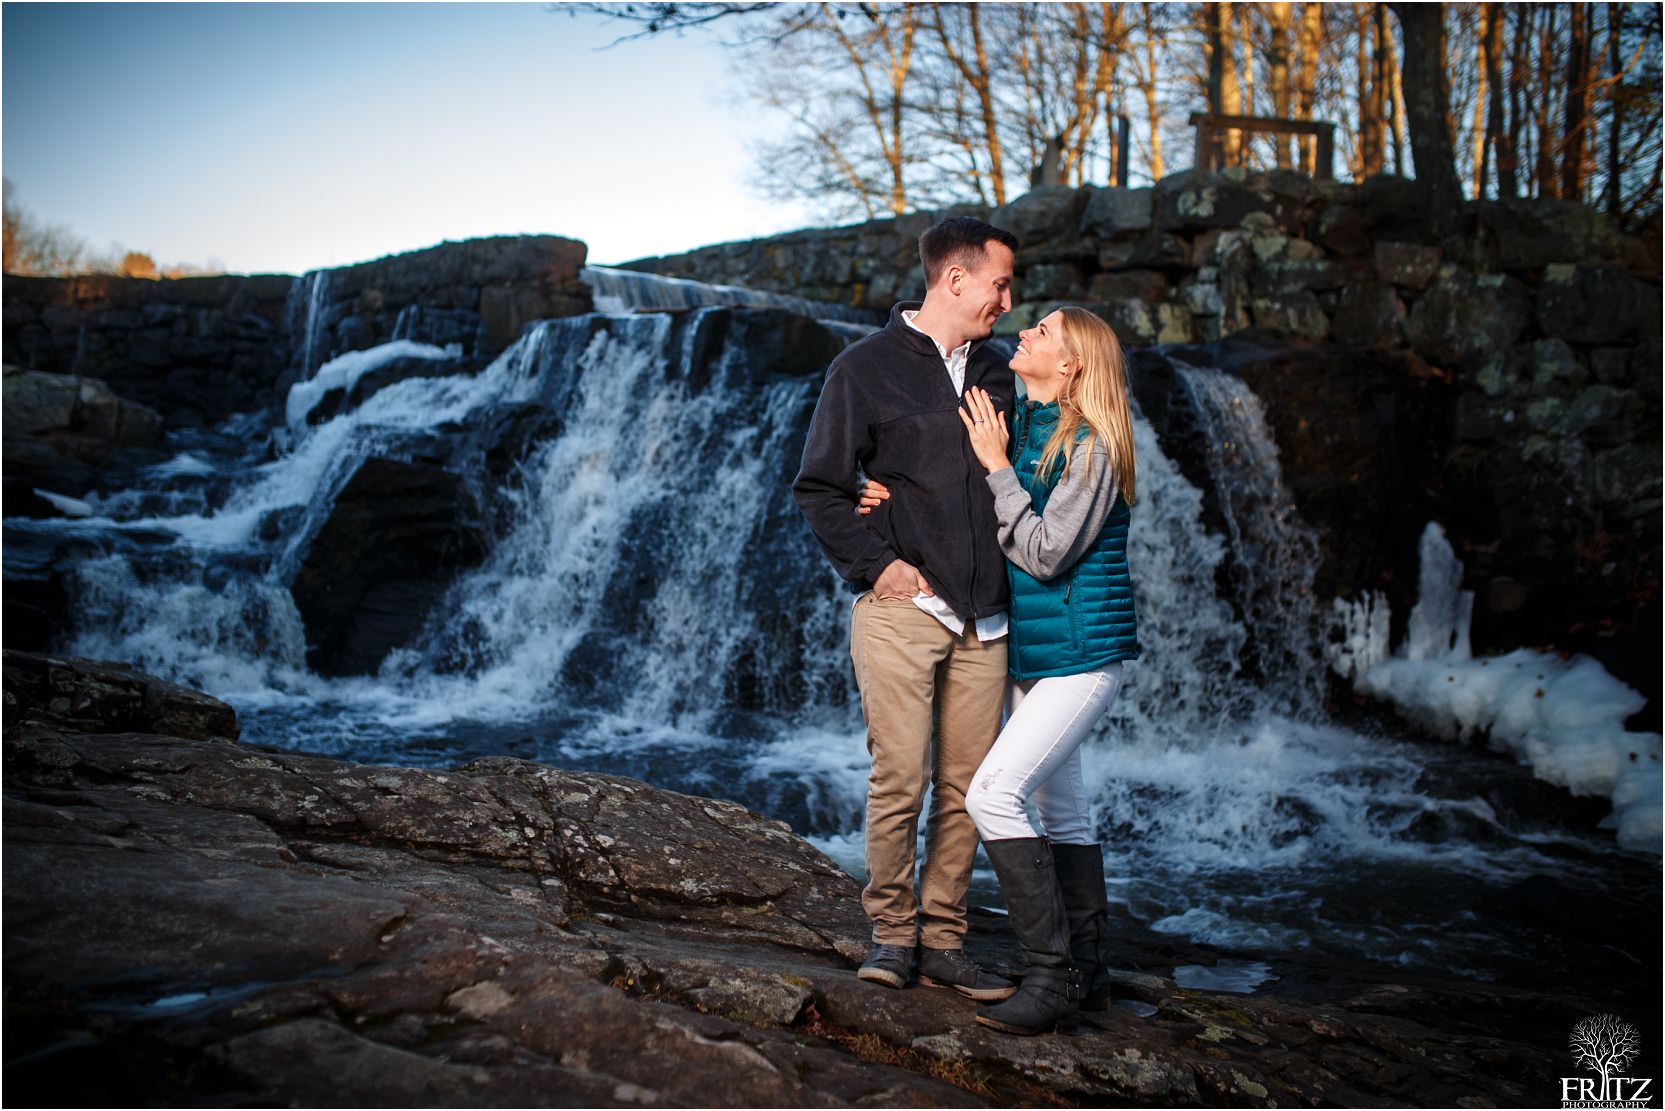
(1038,754)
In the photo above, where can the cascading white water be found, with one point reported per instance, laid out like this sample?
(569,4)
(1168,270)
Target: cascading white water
(645,459)
(625,290)
(654,605)
(308,298)
(1274,553)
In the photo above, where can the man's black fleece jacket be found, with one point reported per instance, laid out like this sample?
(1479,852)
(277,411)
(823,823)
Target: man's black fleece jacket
(889,407)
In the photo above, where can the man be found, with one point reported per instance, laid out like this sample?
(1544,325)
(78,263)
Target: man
(927,634)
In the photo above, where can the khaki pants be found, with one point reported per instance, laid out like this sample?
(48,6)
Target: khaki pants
(907,665)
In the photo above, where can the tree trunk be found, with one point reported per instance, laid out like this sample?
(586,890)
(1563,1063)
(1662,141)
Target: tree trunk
(1576,113)
(1548,184)
(1147,85)
(1427,112)
(1517,93)
(1396,100)
(1311,41)
(1477,127)
(1245,78)
(975,70)
(1214,42)
(1615,121)
(1380,86)
(1372,86)
(1231,97)
(1277,58)
(1112,40)
(1502,149)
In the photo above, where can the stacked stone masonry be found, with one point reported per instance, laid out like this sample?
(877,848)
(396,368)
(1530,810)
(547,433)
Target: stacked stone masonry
(200,349)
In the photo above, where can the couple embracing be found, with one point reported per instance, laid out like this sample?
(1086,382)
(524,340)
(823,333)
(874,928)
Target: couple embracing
(990,550)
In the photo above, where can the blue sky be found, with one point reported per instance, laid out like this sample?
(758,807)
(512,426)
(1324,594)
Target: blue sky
(284,137)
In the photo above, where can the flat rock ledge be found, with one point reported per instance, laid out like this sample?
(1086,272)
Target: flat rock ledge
(195,921)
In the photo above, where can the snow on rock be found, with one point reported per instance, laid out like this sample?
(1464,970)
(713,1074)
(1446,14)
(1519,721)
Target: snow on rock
(1564,718)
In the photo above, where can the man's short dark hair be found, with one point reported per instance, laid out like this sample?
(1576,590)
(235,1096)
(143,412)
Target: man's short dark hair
(959,241)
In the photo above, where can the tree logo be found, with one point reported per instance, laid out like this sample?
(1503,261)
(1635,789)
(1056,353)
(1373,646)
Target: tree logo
(1604,1044)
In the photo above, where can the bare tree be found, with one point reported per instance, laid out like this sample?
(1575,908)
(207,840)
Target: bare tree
(1372,86)
(1576,109)
(1147,80)
(1503,152)
(902,106)
(1544,174)
(841,74)
(1309,47)
(33,247)
(1278,19)
(1605,1043)
(1427,112)
(1477,129)
(962,24)
(1397,100)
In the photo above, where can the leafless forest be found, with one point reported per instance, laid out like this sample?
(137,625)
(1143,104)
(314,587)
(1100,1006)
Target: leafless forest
(898,107)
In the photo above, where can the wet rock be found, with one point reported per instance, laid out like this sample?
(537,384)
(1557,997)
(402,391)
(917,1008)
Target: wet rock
(84,412)
(398,533)
(1352,428)
(63,431)
(777,342)
(94,697)
(349,396)
(1627,479)
(212,923)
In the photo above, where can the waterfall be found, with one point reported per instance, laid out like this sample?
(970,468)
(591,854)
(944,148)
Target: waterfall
(308,299)
(645,565)
(1274,554)
(651,566)
(624,290)
(651,603)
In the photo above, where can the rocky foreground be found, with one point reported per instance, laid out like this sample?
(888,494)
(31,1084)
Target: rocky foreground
(191,920)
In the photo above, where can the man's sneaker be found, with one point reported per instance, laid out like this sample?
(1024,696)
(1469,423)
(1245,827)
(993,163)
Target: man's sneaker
(890,965)
(951,968)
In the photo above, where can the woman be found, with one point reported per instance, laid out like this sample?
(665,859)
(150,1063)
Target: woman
(1063,480)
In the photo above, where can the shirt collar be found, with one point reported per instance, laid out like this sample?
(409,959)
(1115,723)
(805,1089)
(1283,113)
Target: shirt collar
(959,352)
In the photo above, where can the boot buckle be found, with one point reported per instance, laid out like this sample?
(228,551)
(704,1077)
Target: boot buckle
(1072,984)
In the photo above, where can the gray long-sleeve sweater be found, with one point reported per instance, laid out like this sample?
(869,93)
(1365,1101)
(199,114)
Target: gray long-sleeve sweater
(1045,545)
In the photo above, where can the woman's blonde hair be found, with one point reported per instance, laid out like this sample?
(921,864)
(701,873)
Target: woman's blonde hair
(1097,395)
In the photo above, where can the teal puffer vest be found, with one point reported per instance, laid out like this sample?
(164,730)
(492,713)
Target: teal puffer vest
(1083,619)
